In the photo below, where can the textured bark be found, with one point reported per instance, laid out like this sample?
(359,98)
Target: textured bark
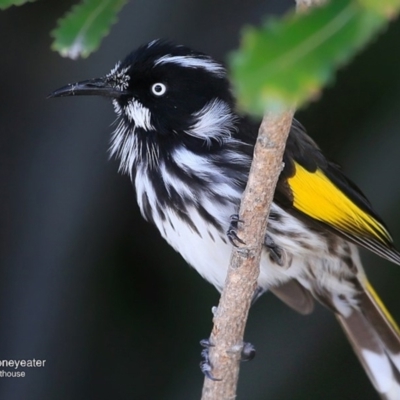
(231,315)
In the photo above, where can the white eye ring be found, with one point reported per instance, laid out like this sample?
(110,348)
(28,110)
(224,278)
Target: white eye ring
(158,89)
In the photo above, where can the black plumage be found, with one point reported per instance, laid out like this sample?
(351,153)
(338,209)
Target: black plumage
(188,152)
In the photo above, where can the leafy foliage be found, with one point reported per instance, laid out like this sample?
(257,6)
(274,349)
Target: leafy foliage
(8,3)
(80,31)
(286,62)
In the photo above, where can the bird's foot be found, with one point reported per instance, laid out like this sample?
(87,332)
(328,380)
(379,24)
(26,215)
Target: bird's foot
(232,231)
(205,364)
(247,353)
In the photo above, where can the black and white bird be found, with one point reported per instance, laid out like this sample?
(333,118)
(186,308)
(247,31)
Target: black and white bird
(188,151)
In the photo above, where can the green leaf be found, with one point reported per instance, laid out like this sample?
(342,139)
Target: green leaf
(287,62)
(80,31)
(8,3)
(387,8)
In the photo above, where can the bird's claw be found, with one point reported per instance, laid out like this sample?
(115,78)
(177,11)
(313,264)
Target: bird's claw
(232,231)
(247,353)
(205,365)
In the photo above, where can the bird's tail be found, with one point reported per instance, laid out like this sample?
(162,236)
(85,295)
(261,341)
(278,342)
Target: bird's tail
(375,338)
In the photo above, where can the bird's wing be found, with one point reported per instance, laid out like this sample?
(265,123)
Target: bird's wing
(317,189)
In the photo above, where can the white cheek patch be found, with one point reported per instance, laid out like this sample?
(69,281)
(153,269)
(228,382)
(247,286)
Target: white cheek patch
(214,121)
(194,62)
(139,114)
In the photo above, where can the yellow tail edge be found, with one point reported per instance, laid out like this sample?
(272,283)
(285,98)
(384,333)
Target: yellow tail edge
(369,288)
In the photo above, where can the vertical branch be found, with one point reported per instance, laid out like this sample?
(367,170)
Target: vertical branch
(231,315)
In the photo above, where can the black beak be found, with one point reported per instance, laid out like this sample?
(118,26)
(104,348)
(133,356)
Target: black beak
(91,87)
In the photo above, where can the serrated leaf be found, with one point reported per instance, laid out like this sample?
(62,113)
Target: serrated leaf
(287,62)
(8,3)
(80,31)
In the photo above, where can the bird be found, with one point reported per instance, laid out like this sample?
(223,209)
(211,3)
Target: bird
(187,148)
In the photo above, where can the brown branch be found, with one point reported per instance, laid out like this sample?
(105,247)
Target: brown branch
(231,315)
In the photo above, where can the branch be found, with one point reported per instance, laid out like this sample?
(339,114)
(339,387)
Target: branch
(231,315)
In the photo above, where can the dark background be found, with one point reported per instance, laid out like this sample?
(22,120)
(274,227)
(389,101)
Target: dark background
(88,286)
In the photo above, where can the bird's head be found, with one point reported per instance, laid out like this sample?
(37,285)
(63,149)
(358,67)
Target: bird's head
(165,96)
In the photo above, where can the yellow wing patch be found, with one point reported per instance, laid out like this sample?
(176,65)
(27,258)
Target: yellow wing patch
(315,195)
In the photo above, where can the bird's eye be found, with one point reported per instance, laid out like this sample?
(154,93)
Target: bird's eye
(158,89)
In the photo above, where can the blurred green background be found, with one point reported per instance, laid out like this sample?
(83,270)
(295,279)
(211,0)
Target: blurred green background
(90,287)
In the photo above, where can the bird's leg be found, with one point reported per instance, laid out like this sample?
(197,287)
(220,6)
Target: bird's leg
(276,253)
(205,365)
(232,230)
(247,353)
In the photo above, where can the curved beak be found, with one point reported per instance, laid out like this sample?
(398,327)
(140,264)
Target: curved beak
(91,87)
